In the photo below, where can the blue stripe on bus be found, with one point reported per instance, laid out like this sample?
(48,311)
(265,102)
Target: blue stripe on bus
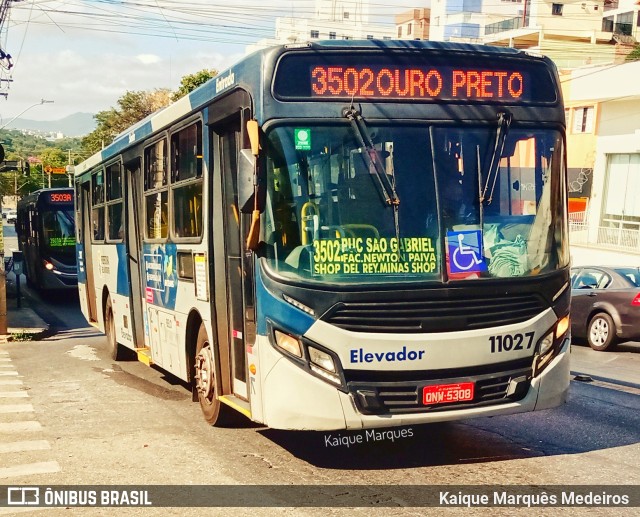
(122,286)
(277,310)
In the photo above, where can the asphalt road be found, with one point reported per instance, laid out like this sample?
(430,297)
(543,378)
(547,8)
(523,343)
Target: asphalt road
(69,415)
(87,420)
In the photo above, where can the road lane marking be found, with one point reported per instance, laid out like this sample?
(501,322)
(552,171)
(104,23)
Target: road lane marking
(14,394)
(25,445)
(16,408)
(29,469)
(3,373)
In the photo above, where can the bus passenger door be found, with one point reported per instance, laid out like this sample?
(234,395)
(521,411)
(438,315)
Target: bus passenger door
(133,174)
(88,251)
(239,313)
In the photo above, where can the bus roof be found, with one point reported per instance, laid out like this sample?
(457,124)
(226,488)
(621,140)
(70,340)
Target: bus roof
(225,80)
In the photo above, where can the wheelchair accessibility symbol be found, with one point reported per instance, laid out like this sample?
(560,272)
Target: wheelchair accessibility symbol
(465,252)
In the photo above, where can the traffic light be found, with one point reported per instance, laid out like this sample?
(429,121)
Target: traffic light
(26,169)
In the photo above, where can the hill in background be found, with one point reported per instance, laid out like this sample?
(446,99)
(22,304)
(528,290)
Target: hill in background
(78,124)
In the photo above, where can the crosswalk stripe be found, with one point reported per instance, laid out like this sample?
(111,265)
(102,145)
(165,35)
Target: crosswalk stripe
(28,469)
(10,382)
(20,427)
(14,394)
(4,373)
(16,408)
(25,445)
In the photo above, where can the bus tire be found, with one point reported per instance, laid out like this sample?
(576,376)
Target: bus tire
(214,412)
(116,350)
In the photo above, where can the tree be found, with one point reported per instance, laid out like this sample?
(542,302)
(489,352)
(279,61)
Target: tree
(132,107)
(190,82)
(634,55)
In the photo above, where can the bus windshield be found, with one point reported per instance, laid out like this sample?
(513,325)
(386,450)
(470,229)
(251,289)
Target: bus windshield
(58,233)
(469,202)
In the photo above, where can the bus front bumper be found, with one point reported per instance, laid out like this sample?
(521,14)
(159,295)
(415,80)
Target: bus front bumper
(294,399)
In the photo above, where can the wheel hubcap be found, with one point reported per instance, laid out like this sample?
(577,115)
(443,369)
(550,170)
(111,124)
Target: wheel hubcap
(204,372)
(599,332)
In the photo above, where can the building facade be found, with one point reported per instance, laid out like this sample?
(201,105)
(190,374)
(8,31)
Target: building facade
(569,31)
(603,113)
(331,19)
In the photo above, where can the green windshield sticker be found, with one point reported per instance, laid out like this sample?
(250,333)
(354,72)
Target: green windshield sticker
(61,242)
(368,256)
(302,139)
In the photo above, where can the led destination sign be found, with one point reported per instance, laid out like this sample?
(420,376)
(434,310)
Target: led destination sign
(60,197)
(417,83)
(415,77)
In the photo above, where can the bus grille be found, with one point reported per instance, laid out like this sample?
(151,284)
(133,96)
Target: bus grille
(413,316)
(379,398)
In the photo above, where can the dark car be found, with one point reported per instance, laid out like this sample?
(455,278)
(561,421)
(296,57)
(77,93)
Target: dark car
(605,305)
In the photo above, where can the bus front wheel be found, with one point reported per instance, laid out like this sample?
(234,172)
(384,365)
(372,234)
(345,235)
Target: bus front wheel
(205,377)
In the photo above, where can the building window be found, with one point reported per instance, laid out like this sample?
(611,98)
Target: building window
(345,15)
(332,35)
(556,9)
(400,32)
(315,34)
(583,120)
(622,188)
(607,24)
(409,28)
(624,24)
(369,36)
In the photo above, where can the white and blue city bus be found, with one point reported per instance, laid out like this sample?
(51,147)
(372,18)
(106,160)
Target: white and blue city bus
(45,229)
(342,235)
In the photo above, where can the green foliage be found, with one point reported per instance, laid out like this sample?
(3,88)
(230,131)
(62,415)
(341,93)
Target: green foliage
(43,152)
(132,107)
(634,55)
(192,81)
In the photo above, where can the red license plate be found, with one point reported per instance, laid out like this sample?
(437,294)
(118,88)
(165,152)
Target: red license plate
(447,393)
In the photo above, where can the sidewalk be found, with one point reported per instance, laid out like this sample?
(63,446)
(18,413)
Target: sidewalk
(22,322)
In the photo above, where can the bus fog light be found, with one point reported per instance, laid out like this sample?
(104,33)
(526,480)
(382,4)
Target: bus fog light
(545,344)
(321,359)
(288,343)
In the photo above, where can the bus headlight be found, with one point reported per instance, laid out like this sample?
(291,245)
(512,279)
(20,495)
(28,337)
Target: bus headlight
(48,265)
(313,358)
(549,346)
(288,343)
(321,359)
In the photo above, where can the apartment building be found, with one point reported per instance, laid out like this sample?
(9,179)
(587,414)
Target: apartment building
(569,31)
(330,19)
(413,24)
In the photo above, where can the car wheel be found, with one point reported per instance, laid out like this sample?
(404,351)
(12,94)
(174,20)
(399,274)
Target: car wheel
(601,333)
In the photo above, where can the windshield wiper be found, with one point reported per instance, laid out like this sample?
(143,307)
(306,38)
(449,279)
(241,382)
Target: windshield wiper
(373,155)
(504,121)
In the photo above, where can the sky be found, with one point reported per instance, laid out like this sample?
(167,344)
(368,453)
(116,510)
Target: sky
(85,54)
